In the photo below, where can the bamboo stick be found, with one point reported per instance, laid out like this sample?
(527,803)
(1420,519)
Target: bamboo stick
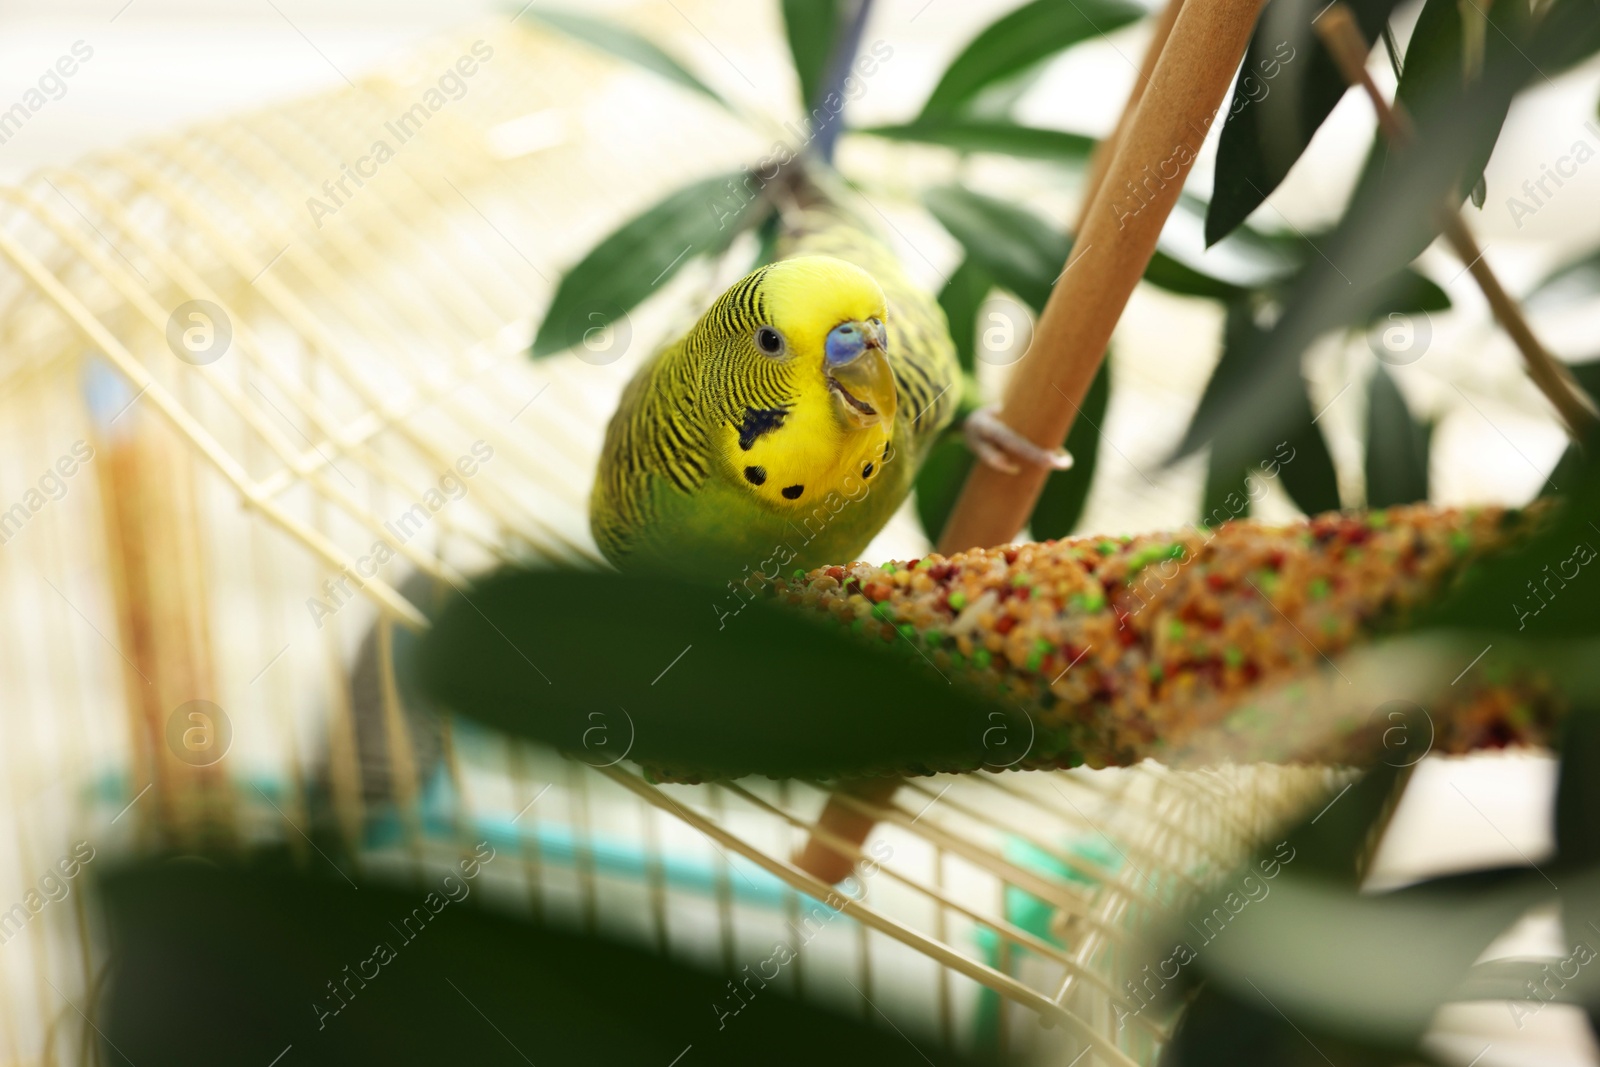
(1112,249)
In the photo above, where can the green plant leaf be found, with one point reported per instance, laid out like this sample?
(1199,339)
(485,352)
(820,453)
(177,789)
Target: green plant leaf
(1287,85)
(1578,279)
(427,974)
(1165,272)
(623,43)
(812,27)
(631,262)
(939,483)
(1060,504)
(1569,468)
(1397,446)
(1386,225)
(1578,792)
(1299,455)
(968,134)
(1537,591)
(965,291)
(1019,249)
(672,667)
(1410,293)
(1023,37)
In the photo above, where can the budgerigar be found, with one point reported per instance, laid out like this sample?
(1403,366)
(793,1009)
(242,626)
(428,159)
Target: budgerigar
(787,425)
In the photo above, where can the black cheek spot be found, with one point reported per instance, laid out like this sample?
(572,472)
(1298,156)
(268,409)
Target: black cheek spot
(866,472)
(792,492)
(886,445)
(755,475)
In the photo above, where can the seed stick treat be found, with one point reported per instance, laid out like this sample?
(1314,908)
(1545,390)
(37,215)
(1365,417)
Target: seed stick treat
(1121,649)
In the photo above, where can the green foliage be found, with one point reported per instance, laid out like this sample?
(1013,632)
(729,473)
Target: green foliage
(1524,593)
(1021,38)
(335,972)
(939,484)
(812,27)
(1016,247)
(632,261)
(968,287)
(1306,468)
(744,699)
(622,43)
(1294,957)
(1397,446)
(1287,86)
(1065,492)
(968,134)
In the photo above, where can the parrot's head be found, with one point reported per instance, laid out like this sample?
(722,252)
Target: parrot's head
(796,368)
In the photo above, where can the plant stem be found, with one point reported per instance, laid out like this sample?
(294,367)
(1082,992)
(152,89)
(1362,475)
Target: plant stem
(1338,29)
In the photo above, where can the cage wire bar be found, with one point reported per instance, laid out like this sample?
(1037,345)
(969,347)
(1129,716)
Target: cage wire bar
(373,346)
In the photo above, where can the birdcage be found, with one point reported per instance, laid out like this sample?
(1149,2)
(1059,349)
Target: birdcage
(258,372)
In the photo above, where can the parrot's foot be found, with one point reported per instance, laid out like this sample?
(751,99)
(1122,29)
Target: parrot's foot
(1005,449)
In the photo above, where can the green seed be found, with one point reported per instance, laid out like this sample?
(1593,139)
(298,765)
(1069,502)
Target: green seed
(1232,656)
(1175,630)
(958,600)
(980,659)
(1318,588)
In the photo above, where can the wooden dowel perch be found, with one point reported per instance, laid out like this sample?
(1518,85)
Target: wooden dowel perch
(1338,29)
(1193,76)
(1108,258)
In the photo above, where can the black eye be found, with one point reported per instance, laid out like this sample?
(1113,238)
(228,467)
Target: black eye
(769,340)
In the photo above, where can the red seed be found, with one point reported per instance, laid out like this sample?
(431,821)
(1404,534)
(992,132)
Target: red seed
(1006,624)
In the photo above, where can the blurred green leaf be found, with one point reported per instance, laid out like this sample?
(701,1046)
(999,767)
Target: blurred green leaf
(1538,590)
(1569,468)
(1409,293)
(1386,225)
(1165,272)
(1300,455)
(965,291)
(1287,86)
(630,263)
(812,27)
(967,134)
(939,483)
(1298,963)
(1245,259)
(1576,280)
(1020,38)
(289,960)
(1225,496)
(608,649)
(1578,792)
(1060,504)
(623,43)
(1019,249)
(1397,446)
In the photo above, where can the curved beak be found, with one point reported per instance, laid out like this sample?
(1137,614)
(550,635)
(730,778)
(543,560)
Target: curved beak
(856,362)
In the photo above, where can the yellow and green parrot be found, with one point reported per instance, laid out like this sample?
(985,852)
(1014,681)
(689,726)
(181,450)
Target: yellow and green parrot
(789,422)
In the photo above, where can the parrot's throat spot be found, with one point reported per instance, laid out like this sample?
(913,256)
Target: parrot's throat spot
(758,421)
